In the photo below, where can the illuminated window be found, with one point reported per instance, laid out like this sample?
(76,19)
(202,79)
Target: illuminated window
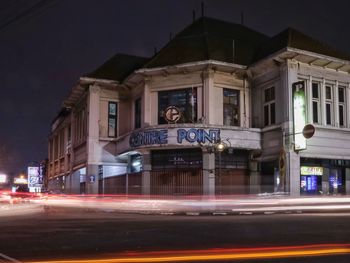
(184,99)
(231,107)
(341,106)
(316,102)
(329,105)
(112,119)
(137,118)
(269,106)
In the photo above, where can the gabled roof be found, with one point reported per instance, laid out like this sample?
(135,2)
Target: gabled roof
(118,67)
(210,39)
(295,39)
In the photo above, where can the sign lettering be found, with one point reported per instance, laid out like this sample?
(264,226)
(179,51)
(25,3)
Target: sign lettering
(198,135)
(148,138)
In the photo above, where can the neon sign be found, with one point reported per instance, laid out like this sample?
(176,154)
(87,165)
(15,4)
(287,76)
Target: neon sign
(198,135)
(160,137)
(148,138)
(311,170)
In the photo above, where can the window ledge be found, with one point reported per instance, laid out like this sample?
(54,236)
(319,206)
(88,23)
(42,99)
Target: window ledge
(110,139)
(333,128)
(271,127)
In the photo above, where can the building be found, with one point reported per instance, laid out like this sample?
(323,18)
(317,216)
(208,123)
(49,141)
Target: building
(219,110)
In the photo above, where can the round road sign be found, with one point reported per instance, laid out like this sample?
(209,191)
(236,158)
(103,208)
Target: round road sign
(308,131)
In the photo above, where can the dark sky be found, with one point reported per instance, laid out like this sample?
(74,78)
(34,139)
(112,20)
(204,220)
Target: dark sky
(44,51)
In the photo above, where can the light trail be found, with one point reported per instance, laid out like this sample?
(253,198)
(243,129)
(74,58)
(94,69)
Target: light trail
(219,254)
(232,205)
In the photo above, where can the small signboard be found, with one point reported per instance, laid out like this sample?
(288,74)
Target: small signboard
(92,178)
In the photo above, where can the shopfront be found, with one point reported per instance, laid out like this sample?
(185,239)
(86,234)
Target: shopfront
(323,176)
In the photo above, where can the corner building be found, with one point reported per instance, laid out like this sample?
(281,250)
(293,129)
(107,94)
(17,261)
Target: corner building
(155,125)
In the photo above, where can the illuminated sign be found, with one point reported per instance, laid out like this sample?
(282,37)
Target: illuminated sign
(198,135)
(3,178)
(148,138)
(311,170)
(156,137)
(299,116)
(20,180)
(34,178)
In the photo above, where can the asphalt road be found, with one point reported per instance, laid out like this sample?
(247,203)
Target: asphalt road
(65,233)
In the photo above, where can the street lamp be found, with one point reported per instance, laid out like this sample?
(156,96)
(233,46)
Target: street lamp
(220,147)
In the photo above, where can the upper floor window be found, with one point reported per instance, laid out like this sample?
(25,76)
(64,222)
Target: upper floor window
(61,143)
(137,117)
(80,121)
(231,107)
(112,119)
(329,104)
(316,102)
(269,106)
(341,106)
(184,99)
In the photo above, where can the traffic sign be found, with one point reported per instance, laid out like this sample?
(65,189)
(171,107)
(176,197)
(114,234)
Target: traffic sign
(308,131)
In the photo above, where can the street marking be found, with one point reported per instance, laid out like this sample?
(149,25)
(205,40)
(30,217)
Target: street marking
(219,214)
(269,212)
(192,214)
(9,258)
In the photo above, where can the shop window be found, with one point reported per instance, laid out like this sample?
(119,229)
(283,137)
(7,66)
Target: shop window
(341,106)
(184,99)
(112,119)
(137,116)
(269,106)
(316,102)
(231,107)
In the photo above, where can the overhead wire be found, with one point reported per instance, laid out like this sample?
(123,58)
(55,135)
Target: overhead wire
(34,10)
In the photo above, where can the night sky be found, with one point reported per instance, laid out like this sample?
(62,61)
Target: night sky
(45,45)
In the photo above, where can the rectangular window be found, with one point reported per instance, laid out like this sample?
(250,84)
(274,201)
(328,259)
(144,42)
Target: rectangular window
(341,106)
(316,102)
(269,106)
(112,119)
(55,147)
(266,115)
(231,107)
(61,146)
(329,105)
(341,115)
(184,99)
(328,114)
(137,116)
(315,111)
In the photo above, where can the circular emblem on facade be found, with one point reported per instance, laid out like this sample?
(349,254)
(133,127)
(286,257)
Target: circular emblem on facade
(172,114)
(308,131)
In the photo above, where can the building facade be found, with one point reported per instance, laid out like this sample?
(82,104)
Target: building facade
(219,110)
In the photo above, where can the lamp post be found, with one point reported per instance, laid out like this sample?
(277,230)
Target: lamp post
(220,147)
